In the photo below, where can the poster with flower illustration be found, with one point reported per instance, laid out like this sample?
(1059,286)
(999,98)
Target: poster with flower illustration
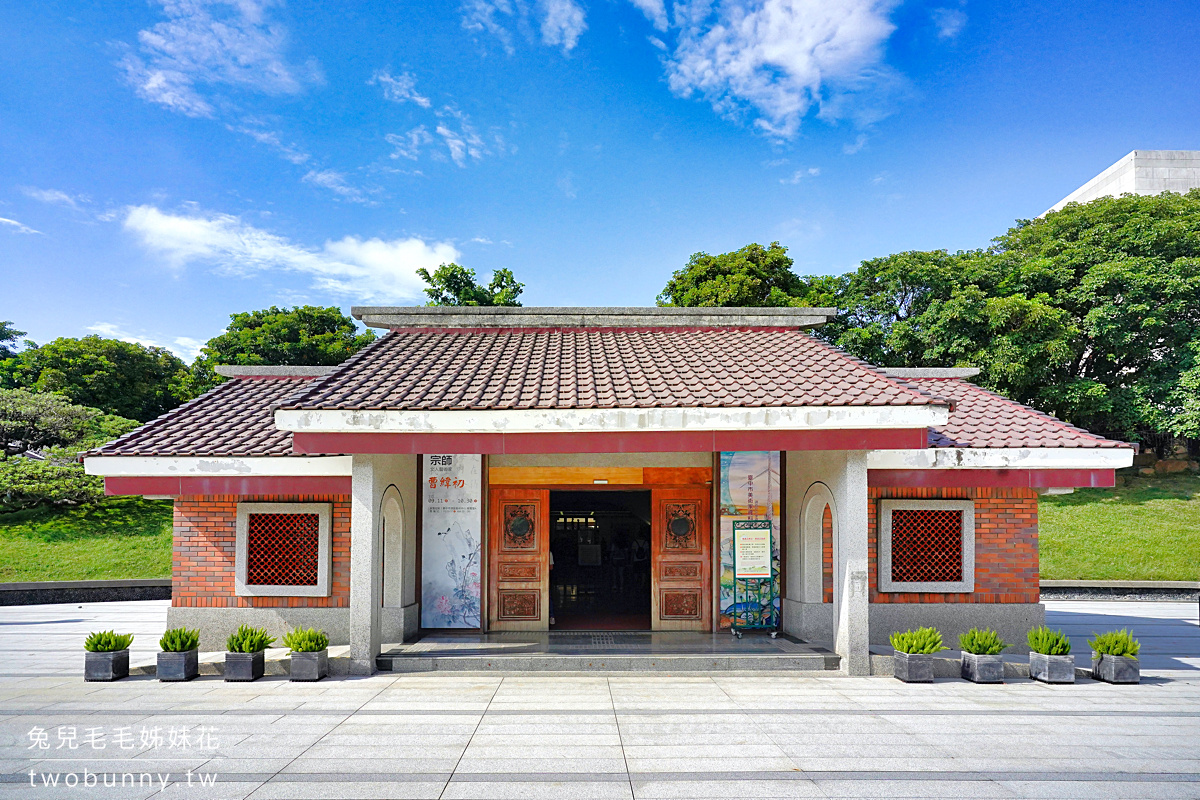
(451,528)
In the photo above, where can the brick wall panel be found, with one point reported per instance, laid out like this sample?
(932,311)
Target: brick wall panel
(204,552)
(1006,545)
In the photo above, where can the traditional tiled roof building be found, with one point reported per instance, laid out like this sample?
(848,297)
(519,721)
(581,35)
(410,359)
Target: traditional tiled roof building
(540,469)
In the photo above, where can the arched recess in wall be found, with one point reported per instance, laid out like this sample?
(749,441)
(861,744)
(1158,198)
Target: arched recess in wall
(399,569)
(812,517)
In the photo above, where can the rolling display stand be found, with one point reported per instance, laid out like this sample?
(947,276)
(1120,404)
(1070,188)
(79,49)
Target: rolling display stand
(753,578)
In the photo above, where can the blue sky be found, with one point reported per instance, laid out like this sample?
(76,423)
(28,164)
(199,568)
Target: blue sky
(164,164)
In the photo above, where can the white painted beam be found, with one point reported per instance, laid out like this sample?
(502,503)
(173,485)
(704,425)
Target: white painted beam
(1002,458)
(609,420)
(200,467)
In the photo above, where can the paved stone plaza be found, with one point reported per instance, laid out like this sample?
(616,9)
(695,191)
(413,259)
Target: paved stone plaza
(555,736)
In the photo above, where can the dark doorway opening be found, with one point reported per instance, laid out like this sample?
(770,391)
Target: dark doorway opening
(600,546)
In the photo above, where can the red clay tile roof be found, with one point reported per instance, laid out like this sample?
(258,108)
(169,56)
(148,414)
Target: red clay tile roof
(603,368)
(237,418)
(984,419)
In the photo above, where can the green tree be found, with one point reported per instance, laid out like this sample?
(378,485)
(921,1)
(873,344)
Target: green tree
(31,421)
(752,276)
(454,285)
(122,378)
(8,338)
(300,336)
(57,431)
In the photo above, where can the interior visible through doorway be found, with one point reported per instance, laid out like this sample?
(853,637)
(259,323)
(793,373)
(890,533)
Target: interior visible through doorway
(600,543)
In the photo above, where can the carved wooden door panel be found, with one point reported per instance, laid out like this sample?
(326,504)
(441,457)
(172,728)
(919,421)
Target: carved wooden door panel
(681,597)
(519,559)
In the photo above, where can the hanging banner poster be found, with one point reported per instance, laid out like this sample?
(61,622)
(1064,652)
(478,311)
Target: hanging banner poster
(752,548)
(749,492)
(451,532)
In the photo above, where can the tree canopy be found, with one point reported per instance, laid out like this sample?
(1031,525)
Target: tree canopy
(454,285)
(116,377)
(300,336)
(8,338)
(752,276)
(1091,313)
(57,430)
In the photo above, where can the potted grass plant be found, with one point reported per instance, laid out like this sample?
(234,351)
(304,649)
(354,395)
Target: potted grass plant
(1050,659)
(981,659)
(106,656)
(180,656)
(245,658)
(912,661)
(1115,657)
(310,654)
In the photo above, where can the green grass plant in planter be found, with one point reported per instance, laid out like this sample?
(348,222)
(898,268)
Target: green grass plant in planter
(1115,657)
(912,661)
(310,654)
(107,656)
(981,659)
(1050,659)
(244,657)
(180,656)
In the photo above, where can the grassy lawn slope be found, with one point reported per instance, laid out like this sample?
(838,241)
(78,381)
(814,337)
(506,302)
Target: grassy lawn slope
(121,537)
(1145,530)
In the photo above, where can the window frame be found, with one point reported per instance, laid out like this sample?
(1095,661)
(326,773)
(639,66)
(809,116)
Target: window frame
(967,542)
(324,512)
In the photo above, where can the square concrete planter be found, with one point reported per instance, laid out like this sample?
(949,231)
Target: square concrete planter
(111,666)
(1116,669)
(174,666)
(913,667)
(1052,669)
(244,666)
(310,666)
(982,669)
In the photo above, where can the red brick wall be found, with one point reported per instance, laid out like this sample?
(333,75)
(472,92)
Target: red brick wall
(1006,546)
(204,552)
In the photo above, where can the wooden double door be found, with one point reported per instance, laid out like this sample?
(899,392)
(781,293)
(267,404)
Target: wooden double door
(681,585)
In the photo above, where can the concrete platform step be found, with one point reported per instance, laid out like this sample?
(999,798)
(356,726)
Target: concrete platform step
(605,663)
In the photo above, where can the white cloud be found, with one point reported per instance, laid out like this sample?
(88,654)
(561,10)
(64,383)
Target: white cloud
(562,23)
(335,182)
(486,15)
(655,11)
(210,43)
(362,269)
(850,148)
(289,152)
(949,21)
(480,240)
(54,197)
(399,88)
(17,227)
(185,347)
(780,58)
(566,184)
(465,141)
(408,145)
(801,174)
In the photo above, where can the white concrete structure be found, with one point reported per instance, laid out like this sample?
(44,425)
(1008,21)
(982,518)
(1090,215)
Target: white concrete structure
(1141,172)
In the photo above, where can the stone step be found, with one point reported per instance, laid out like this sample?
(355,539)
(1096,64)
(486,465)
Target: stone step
(606,663)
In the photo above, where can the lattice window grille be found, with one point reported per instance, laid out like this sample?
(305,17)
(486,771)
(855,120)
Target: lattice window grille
(927,545)
(283,549)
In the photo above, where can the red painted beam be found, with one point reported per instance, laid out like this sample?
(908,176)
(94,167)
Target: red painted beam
(615,442)
(1020,478)
(260,484)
